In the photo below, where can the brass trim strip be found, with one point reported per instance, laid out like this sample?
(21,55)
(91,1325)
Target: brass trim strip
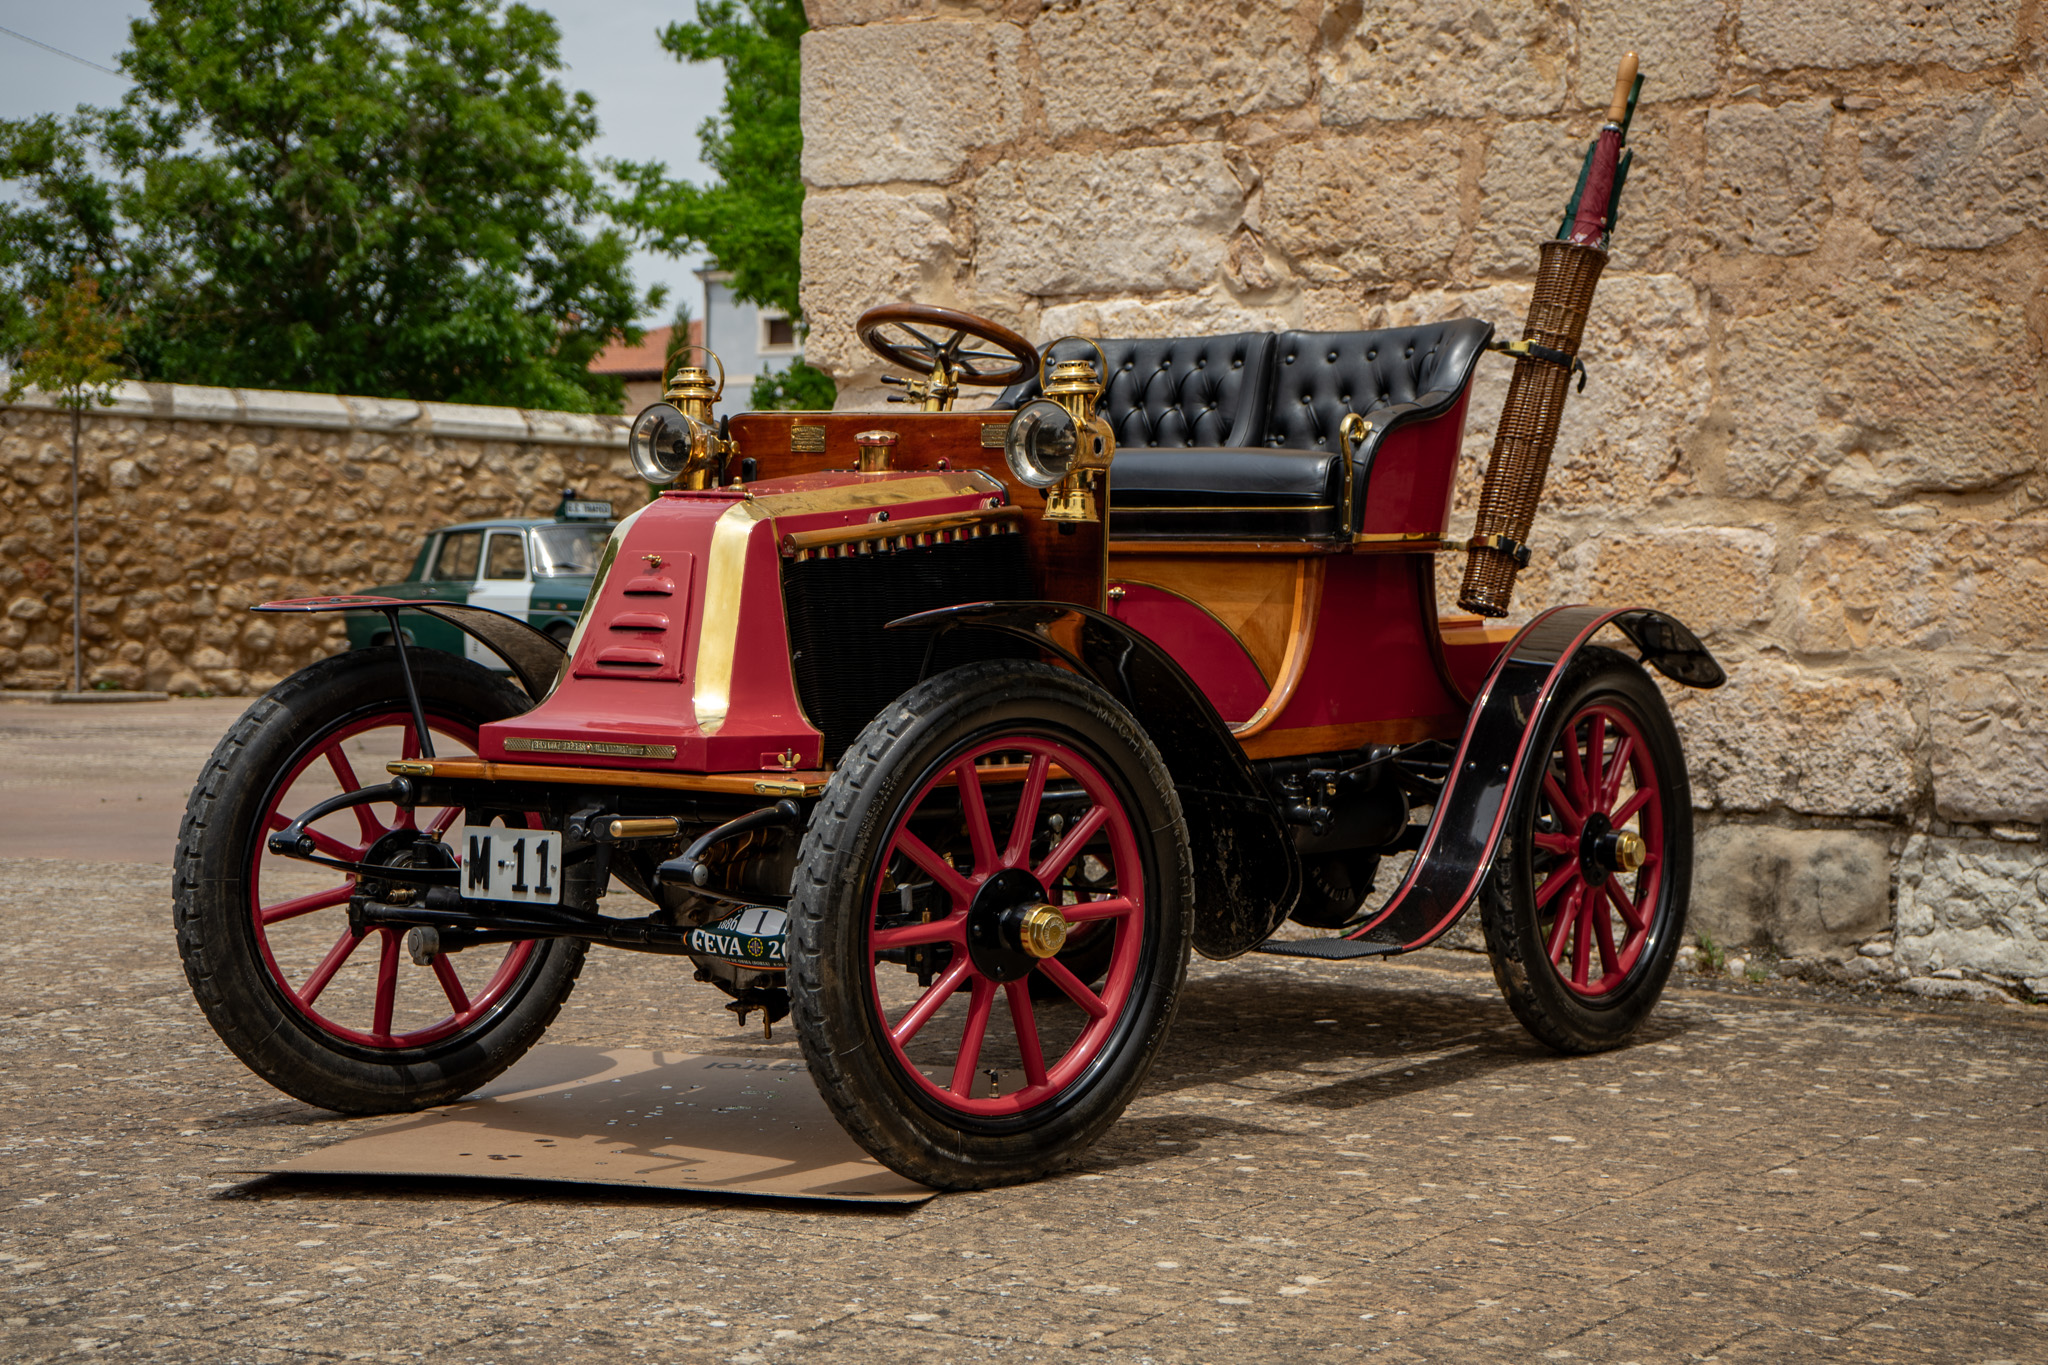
(718,629)
(892,530)
(522,744)
(805,783)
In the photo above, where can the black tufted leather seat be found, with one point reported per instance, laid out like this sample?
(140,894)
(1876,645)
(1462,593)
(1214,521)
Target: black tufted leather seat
(1236,436)
(1176,391)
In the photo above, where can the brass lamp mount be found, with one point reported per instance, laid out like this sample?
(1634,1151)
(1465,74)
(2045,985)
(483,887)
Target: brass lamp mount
(1059,442)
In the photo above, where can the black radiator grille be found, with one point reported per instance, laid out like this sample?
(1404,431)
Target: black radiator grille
(847,667)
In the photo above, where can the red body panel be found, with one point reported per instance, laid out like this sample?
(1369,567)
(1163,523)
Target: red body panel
(686,649)
(1409,492)
(1372,658)
(1198,642)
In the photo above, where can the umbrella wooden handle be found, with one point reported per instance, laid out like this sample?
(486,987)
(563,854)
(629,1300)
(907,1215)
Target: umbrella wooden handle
(1624,82)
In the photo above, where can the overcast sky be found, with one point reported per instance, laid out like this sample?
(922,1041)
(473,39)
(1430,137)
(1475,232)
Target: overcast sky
(648,103)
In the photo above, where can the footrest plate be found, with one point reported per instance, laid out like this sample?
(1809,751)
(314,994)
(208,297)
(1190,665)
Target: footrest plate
(1329,949)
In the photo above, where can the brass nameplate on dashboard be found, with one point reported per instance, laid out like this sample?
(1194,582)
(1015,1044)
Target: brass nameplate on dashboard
(520,745)
(806,440)
(992,435)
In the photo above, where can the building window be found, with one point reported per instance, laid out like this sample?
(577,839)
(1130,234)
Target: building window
(778,333)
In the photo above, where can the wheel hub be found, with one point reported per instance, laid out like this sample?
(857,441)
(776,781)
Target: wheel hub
(1605,850)
(1010,926)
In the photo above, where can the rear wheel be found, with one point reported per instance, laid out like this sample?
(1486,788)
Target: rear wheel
(992,816)
(345,1021)
(1587,906)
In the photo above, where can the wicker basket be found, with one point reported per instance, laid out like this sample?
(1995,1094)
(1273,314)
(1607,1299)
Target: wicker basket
(1565,281)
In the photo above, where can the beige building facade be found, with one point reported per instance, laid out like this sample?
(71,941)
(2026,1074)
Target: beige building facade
(1814,427)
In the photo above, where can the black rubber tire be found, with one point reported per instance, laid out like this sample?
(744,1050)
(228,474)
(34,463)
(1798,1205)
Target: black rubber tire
(1516,940)
(855,1068)
(210,895)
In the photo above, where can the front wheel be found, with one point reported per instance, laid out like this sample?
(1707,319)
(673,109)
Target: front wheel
(1587,905)
(978,824)
(349,1021)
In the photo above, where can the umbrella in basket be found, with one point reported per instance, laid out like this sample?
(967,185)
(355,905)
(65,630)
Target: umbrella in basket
(1545,358)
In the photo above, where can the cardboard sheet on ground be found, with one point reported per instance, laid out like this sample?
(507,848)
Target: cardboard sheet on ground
(626,1116)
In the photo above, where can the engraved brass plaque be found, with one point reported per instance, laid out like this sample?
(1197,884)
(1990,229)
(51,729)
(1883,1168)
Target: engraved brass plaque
(806,440)
(992,435)
(521,744)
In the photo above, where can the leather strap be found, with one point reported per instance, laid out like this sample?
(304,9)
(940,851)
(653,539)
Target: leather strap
(1549,355)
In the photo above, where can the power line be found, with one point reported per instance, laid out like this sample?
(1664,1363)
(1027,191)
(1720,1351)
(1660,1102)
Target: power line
(82,61)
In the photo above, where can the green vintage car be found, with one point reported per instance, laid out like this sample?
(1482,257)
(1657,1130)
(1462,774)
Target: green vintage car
(537,569)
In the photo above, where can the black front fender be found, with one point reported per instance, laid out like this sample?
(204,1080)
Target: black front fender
(534,656)
(1493,758)
(1247,873)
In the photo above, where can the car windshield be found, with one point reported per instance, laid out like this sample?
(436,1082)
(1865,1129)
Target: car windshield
(566,551)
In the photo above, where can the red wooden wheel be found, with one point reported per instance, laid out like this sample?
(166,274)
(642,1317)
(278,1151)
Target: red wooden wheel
(319,966)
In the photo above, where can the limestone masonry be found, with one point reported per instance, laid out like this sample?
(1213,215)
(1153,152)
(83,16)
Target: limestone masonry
(1815,423)
(196,502)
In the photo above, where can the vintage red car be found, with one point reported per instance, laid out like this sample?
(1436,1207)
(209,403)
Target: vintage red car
(951,734)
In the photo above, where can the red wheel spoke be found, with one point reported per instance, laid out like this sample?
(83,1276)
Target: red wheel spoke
(445,970)
(1113,907)
(438,826)
(1560,802)
(306,905)
(1026,1024)
(1635,917)
(950,881)
(974,809)
(1561,844)
(1561,927)
(1564,876)
(928,1004)
(1582,941)
(345,774)
(1632,805)
(329,965)
(1021,829)
(1069,847)
(409,742)
(1603,929)
(979,1004)
(951,929)
(1595,758)
(1076,989)
(1617,768)
(387,984)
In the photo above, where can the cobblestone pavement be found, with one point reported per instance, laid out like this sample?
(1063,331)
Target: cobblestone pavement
(1331,1162)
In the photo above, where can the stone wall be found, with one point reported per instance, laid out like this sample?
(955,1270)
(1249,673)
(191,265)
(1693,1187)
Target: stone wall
(195,503)
(1815,423)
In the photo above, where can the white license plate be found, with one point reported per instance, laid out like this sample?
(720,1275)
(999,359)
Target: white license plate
(500,864)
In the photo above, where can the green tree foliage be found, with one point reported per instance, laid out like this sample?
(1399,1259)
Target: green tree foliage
(751,220)
(383,197)
(70,341)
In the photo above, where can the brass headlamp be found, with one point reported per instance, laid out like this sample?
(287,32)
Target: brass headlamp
(1058,442)
(676,440)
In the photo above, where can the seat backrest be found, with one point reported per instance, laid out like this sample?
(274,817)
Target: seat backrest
(1320,376)
(1176,391)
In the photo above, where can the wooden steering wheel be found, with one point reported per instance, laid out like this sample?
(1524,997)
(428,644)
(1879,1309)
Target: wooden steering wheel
(924,338)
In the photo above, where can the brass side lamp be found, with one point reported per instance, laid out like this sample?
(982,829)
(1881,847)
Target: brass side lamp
(1059,443)
(676,441)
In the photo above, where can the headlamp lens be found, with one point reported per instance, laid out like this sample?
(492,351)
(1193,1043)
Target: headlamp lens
(661,443)
(1040,443)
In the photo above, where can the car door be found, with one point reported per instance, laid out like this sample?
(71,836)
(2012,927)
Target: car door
(503,584)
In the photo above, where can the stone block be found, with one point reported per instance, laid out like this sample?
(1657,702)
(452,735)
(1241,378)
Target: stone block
(1879,388)
(1677,40)
(1764,176)
(1187,315)
(1963,34)
(1960,170)
(1976,584)
(1976,905)
(1145,220)
(866,247)
(1988,745)
(1777,737)
(1804,892)
(1379,209)
(1227,59)
(908,101)
(1713,578)
(1458,59)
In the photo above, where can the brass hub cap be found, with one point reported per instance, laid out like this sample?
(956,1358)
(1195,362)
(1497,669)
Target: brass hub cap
(1042,931)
